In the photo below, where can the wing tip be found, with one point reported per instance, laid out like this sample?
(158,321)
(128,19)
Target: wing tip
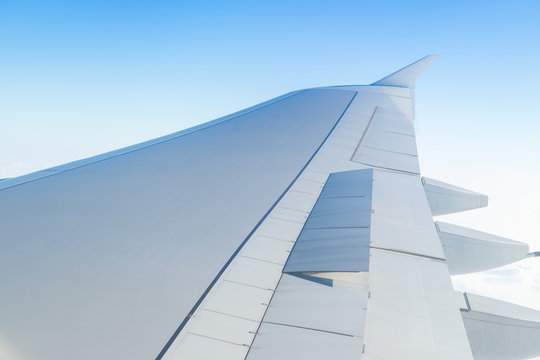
(406,77)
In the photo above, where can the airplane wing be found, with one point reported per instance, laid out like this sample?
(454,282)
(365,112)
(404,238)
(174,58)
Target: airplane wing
(297,228)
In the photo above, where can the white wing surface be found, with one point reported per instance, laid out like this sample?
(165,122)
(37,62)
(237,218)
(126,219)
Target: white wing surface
(298,228)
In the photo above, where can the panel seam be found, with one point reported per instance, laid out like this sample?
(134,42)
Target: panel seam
(308,328)
(363,134)
(404,252)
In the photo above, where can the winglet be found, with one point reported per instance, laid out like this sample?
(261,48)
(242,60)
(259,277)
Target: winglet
(407,76)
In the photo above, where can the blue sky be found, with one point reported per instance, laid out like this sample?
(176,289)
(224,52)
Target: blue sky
(83,77)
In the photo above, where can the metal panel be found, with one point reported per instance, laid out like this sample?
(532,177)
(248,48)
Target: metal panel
(444,198)
(89,254)
(306,186)
(343,207)
(400,207)
(292,343)
(412,310)
(346,249)
(346,188)
(298,200)
(200,347)
(234,299)
(294,215)
(338,308)
(260,273)
(499,330)
(469,250)
(333,255)
(336,234)
(339,218)
(280,229)
(392,121)
(327,206)
(387,160)
(391,141)
(227,328)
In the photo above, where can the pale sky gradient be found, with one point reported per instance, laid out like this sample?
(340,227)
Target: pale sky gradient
(81,78)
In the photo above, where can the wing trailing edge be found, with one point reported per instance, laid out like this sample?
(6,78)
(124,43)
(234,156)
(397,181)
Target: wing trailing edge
(407,76)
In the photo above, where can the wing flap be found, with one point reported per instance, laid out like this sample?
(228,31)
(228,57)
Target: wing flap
(412,303)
